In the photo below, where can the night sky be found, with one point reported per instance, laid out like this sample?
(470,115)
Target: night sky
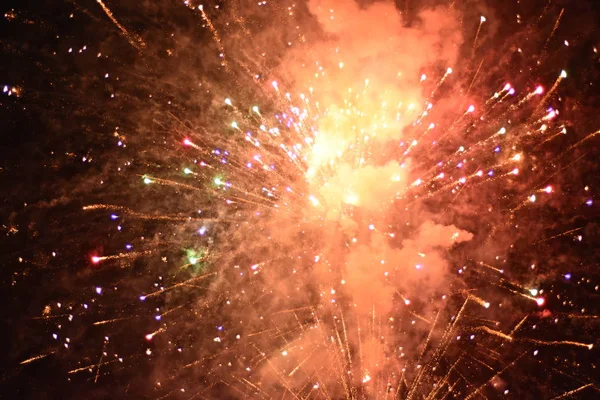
(90,110)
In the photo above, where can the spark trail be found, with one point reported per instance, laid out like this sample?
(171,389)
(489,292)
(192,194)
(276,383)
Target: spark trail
(135,41)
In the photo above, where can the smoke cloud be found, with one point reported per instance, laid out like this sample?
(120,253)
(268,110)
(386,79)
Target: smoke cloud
(364,78)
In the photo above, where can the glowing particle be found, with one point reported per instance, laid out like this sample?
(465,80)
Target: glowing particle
(187,142)
(228,101)
(540,301)
(351,199)
(532,198)
(539,90)
(202,230)
(482,19)
(548,189)
(96,259)
(471,108)
(147,180)
(99,290)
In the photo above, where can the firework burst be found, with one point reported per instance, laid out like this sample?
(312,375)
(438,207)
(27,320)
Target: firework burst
(332,200)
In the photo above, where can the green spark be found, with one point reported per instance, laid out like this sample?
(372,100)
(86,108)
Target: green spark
(195,260)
